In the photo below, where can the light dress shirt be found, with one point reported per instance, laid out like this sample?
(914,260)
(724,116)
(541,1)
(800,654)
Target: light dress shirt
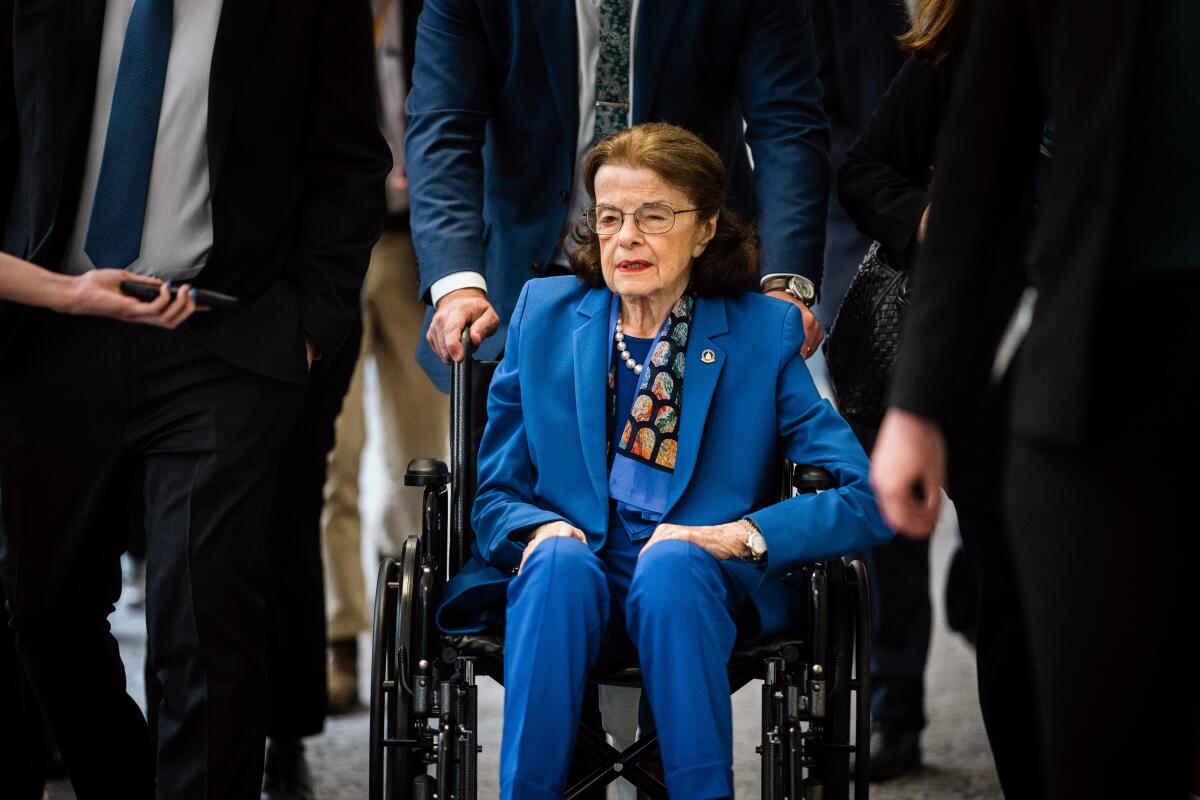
(177,235)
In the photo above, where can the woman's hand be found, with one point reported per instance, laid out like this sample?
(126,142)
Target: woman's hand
(98,293)
(719,541)
(548,531)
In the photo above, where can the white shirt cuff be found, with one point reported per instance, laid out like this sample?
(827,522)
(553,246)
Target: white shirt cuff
(455,281)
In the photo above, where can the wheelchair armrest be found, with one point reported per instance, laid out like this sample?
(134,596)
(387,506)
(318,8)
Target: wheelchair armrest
(426,472)
(807,479)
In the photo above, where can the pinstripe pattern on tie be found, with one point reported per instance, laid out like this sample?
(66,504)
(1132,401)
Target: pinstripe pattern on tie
(114,232)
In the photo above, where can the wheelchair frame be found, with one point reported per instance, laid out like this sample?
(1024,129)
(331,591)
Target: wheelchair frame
(423,692)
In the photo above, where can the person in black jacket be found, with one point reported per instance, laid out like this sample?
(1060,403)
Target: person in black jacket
(1098,516)
(233,146)
(885,187)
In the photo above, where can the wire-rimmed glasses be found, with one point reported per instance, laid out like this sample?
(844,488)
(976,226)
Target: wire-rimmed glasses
(605,220)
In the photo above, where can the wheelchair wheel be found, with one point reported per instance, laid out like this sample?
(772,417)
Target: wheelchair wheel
(395,758)
(849,693)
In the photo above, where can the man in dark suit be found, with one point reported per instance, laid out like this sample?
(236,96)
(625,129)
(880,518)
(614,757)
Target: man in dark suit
(1099,518)
(231,145)
(509,96)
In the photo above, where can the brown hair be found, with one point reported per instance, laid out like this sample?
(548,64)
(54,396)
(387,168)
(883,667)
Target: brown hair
(936,31)
(730,262)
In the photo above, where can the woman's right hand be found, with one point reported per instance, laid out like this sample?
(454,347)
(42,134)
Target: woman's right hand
(549,531)
(98,293)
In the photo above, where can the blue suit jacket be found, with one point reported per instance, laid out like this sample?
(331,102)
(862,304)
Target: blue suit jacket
(543,452)
(493,121)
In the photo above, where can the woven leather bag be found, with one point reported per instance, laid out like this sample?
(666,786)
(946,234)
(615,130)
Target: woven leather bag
(862,345)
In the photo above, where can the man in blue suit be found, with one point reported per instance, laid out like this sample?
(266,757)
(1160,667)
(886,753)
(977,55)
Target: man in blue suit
(509,95)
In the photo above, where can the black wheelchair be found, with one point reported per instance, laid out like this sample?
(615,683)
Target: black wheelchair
(423,692)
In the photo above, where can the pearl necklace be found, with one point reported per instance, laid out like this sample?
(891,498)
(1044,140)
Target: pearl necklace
(623,351)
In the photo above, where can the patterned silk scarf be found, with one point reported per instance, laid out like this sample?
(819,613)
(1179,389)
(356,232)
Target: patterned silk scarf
(640,477)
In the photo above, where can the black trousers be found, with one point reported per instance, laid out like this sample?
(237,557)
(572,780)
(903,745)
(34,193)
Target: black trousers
(1105,550)
(1007,697)
(296,609)
(89,408)
(25,755)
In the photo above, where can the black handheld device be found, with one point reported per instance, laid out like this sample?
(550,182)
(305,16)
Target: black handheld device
(204,297)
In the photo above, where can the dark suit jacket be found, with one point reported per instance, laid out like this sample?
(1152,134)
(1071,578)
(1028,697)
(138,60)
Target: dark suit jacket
(493,122)
(296,163)
(1025,61)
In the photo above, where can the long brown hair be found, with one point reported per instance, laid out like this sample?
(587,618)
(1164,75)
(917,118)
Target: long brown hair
(936,31)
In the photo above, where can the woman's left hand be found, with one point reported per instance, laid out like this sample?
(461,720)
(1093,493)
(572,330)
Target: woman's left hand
(719,541)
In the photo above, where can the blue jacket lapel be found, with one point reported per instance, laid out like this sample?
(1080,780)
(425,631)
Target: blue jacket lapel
(590,347)
(558,34)
(656,24)
(699,382)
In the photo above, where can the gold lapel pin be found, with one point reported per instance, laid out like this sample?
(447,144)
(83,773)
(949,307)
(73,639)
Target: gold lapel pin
(708,356)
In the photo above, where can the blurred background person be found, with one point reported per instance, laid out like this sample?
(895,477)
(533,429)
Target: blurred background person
(1099,526)
(413,419)
(859,56)
(885,186)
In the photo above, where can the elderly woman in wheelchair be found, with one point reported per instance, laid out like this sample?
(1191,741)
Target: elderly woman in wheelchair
(623,517)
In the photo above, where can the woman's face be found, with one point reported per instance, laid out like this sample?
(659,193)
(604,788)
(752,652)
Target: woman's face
(648,266)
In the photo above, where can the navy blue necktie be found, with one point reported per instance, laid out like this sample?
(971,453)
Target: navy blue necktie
(114,232)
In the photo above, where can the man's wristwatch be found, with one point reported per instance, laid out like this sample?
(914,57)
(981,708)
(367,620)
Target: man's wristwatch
(755,542)
(797,286)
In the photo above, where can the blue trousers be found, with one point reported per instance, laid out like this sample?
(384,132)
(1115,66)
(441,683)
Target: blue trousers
(570,608)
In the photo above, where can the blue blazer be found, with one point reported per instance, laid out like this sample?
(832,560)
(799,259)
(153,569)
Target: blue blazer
(493,118)
(543,453)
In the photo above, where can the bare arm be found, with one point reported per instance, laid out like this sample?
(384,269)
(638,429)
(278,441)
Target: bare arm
(95,293)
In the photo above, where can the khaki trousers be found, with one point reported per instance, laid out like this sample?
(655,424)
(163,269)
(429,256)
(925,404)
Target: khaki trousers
(414,423)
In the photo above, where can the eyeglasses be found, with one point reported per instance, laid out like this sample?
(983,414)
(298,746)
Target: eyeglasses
(650,218)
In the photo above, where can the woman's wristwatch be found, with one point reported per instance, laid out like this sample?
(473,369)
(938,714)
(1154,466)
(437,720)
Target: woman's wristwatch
(755,543)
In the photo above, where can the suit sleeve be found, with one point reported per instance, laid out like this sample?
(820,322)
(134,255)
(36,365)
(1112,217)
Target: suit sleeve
(882,184)
(987,157)
(788,134)
(503,506)
(344,164)
(448,109)
(8,114)
(828,524)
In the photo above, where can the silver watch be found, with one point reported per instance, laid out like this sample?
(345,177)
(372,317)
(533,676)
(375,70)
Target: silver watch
(755,543)
(797,286)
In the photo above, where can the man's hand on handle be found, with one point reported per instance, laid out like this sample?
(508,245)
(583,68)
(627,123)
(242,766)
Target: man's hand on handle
(813,332)
(456,311)
(908,469)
